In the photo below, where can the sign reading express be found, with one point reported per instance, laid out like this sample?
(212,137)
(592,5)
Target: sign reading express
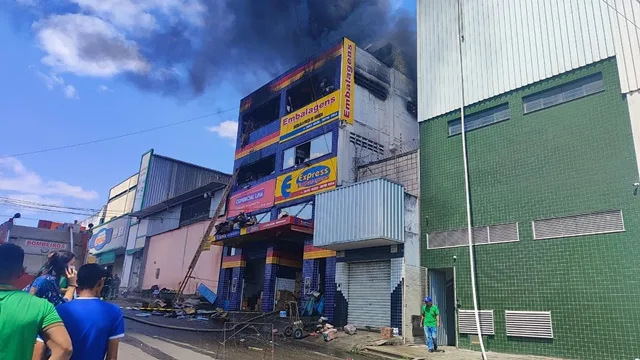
(256,198)
(307,181)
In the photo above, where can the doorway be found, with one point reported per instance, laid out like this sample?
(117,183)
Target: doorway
(442,291)
(253,283)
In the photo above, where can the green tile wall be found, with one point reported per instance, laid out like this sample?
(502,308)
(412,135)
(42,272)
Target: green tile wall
(573,158)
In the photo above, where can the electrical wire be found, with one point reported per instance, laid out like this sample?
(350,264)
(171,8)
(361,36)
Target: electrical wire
(119,136)
(621,14)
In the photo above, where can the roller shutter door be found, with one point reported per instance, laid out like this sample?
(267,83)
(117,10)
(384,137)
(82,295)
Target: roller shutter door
(370,294)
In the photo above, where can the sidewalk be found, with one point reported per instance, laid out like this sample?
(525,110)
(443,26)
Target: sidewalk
(416,352)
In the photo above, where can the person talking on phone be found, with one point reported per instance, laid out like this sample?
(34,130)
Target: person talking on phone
(46,285)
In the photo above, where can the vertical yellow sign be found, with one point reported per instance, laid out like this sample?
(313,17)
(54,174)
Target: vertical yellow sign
(347,85)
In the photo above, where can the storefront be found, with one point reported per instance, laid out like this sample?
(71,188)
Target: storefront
(107,244)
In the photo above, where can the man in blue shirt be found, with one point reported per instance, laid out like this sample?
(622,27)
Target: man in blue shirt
(95,326)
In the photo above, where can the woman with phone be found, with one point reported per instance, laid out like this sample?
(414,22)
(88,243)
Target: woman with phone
(46,285)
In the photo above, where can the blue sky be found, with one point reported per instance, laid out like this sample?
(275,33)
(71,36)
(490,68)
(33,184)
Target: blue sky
(49,98)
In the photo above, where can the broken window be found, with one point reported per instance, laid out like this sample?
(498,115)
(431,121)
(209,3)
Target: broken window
(257,170)
(259,117)
(312,87)
(302,211)
(312,149)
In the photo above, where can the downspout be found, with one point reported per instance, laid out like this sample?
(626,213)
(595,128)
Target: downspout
(467,189)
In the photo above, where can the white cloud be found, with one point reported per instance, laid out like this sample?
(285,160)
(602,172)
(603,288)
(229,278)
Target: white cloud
(104,88)
(87,45)
(70,92)
(227,129)
(53,80)
(140,14)
(15,177)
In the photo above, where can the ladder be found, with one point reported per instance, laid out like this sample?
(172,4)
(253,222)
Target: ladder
(205,242)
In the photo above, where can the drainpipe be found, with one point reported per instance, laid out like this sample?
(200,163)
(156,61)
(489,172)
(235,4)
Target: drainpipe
(466,184)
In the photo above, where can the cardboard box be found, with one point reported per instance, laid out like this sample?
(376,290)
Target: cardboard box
(386,332)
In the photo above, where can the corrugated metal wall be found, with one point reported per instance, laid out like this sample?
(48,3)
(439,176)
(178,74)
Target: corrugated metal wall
(165,220)
(169,178)
(509,44)
(372,209)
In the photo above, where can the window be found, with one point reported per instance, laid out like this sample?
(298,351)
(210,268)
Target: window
(311,88)
(313,149)
(263,217)
(257,170)
(480,119)
(195,210)
(259,117)
(577,89)
(302,211)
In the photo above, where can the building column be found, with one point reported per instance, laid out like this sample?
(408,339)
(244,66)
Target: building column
(232,279)
(270,275)
(330,288)
(237,282)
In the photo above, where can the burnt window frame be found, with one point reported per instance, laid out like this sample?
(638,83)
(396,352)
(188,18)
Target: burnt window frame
(244,167)
(316,92)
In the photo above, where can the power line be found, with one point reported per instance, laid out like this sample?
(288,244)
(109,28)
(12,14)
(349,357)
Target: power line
(120,136)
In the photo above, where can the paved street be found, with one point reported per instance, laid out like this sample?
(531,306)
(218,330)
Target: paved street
(150,343)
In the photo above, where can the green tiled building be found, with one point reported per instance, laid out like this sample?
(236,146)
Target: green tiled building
(556,218)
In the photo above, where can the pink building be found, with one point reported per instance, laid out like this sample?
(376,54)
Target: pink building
(169,255)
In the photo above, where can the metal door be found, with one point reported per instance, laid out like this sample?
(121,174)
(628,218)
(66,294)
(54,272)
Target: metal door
(438,293)
(370,294)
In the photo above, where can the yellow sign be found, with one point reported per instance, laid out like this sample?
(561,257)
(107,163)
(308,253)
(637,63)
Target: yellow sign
(307,181)
(316,114)
(347,87)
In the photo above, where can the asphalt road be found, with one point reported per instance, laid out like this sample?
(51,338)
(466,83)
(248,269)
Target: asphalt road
(145,342)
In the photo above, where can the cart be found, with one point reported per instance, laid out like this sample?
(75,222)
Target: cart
(296,328)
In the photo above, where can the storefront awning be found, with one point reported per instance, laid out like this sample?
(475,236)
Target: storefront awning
(279,227)
(106,258)
(133,251)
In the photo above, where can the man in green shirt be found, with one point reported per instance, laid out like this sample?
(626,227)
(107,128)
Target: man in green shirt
(23,316)
(431,320)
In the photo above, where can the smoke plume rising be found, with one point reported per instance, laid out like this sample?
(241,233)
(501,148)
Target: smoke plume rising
(245,42)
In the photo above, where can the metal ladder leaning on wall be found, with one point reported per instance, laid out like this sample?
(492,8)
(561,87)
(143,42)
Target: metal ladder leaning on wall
(204,242)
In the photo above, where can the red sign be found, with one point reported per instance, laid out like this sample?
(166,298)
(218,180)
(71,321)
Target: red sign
(253,199)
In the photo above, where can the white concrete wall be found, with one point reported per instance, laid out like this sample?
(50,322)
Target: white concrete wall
(387,122)
(509,44)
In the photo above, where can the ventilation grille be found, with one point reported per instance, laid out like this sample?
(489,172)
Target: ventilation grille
(376,89)
(365,143)
(578,225)
(467,322)
(531,324)
(491,234)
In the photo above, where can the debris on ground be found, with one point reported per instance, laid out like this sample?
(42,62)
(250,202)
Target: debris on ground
(143,314)
(330,334)
(350,329)
(386,332)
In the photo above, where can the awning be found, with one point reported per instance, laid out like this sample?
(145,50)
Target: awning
(133,251)
(279,227)
(107,257)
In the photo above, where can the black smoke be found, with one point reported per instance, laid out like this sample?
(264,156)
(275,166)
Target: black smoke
(247,42)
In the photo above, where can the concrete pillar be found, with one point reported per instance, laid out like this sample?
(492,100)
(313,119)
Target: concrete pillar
(270,274)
